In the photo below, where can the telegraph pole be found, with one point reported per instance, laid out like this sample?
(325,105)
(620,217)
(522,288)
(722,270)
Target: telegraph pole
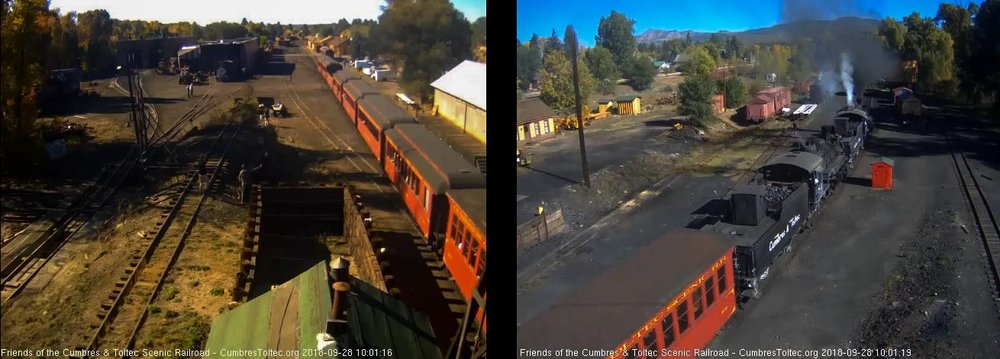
(571,41)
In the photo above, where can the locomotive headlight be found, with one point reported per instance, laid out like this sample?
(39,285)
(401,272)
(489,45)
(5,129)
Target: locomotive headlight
(816,180)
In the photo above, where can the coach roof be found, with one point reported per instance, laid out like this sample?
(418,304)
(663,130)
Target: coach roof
(383,112)
(604,313)
(434,160)
(359,88)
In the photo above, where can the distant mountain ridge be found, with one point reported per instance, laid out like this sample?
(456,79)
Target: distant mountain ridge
(779,32)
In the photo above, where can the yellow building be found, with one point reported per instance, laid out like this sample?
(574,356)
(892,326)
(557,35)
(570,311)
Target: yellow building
(629,105)
(460,97)
(535,121)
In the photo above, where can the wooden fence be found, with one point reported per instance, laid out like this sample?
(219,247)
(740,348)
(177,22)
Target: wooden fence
(540,229)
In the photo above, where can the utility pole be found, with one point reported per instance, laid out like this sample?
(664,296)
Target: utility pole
(571,37)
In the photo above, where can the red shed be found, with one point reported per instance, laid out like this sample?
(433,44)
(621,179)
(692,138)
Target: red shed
(882,173)
(719,103)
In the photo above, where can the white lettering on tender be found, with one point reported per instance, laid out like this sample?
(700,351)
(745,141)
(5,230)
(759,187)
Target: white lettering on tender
(778,237)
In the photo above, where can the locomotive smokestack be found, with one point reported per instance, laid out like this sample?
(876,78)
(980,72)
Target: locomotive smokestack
(847,77)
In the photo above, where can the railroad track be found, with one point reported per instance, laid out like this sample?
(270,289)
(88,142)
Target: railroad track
(121,315)
(986,222)
(22,264)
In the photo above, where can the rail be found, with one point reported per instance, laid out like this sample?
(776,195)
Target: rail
(124,287)
(986,222)
(20,269)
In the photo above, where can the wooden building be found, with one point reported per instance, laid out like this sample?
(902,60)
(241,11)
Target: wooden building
(605,105)
(460,97)
(629,105)
(719,103)
(535,121)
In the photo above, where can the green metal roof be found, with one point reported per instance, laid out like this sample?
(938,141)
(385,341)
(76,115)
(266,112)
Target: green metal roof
(291,315)
(626,98)
(658,63)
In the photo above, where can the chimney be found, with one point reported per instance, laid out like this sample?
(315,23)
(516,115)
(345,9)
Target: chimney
(336,325)
(341,269)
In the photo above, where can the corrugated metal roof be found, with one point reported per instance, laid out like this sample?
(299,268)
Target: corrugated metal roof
(626,98)
(384,112)
(467,81)
(298,310)
(602,314)
(434,160)
(531,110)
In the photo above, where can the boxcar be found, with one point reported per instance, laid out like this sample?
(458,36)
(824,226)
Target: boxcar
(674,295)
(424,168)
(465,238)
(353,92)
(375,115)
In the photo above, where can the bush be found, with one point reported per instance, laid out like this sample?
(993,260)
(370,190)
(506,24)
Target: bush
(169,293)
(217,292)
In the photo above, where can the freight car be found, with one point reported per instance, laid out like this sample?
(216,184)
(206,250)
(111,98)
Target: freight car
(634,309)
(767,103)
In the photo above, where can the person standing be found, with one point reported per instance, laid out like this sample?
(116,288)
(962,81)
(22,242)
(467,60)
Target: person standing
(243,183)
(202,174)
(191,89)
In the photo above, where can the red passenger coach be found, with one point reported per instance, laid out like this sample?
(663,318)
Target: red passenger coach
(465,238)
(353,92)
(339,79)
(673,295)
(424,168)
(375,115)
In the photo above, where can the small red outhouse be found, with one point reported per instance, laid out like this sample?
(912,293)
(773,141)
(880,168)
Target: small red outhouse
(882,173)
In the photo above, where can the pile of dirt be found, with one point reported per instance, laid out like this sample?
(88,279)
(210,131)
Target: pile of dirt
(917,310)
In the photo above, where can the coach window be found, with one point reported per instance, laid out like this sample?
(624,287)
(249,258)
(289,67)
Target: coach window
(427,198)
(709,291)
(459,233)
(682,316)
(482,264)
(722,280)
(668,330)
(649,343)
(473,250)
(696,303)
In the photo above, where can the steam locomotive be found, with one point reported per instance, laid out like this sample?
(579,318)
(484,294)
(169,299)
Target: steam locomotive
(763,214)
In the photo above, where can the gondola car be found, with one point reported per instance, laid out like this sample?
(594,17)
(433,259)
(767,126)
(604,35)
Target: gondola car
(424,168)
(376,114)
(354,91)
(672,295)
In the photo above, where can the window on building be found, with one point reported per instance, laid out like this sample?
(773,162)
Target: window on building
(649,343)
(709,291)
(696,303)
(546,126)
(668,330)
(536,128)
(682,317)
(722,280)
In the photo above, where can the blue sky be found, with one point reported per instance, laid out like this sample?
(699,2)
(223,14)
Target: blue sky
(270,11)
(541,16)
